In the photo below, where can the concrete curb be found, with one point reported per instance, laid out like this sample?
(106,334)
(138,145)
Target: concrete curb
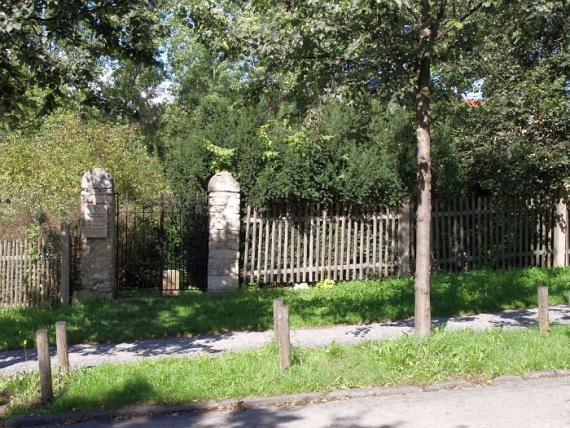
(506,379)
(450,384)
(264,402)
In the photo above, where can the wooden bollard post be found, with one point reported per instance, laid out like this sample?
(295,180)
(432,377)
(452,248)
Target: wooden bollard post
(277,303)
(44,363)
(543,321)
(283,337)
(61,342)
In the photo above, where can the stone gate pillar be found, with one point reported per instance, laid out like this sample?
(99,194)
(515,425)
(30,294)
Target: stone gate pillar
(224,227)
(98,235)
(561,234)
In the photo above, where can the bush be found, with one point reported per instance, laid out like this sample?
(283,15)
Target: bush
(326,284)
(41,168)
(330,156)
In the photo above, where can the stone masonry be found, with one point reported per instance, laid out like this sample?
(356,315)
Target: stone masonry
(560,233)
(224,231)
(98,236)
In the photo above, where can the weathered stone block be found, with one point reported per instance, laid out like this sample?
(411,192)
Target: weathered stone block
(95,179)
(221,236)
(223,244)
(223,182)
(224,225)
(222,255)
(222,284)
(171,282)
(225,270)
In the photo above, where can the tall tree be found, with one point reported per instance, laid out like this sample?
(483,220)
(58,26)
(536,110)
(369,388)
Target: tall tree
(316,50)
(516,143)
(131,92)
(55,45)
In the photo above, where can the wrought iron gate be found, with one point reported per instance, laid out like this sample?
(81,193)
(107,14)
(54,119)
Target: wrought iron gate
(158,236)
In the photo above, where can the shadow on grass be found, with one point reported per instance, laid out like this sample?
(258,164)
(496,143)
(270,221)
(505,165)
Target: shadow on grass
(131,391)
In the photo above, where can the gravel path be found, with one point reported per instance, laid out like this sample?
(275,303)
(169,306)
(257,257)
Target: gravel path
(12,362)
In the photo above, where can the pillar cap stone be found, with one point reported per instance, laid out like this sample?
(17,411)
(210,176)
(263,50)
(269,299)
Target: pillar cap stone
(96,178)
(223,182)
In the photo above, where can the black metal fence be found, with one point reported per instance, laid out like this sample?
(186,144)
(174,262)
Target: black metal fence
(161,235)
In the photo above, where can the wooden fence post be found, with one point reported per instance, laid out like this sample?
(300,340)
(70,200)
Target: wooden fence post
(44,363)
(65,263)
(61,342)
(277,303)
(543,321)
(404,241)
(284,338)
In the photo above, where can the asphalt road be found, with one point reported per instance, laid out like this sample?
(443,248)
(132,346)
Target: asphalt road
(540,403)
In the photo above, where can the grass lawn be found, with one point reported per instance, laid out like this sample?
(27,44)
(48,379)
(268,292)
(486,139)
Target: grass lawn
(477,356)
(346,303)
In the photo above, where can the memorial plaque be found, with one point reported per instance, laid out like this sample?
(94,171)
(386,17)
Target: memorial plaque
(96,219)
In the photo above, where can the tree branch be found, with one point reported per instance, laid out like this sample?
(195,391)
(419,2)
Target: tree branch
(411,11)
(463,18)
(441,12)
(437,21)
(82,13)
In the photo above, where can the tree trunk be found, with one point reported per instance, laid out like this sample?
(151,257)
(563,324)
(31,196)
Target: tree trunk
(422,320)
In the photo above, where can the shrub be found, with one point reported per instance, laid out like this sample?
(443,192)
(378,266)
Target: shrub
(41,168)
(326,284)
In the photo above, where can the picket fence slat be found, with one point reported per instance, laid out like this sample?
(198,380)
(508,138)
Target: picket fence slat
(246,251)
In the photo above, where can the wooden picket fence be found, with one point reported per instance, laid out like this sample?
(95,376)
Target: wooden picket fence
(305,244)
(26,280)
(472,232)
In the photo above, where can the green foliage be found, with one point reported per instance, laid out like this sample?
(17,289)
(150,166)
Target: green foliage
(516,143)
(326,169)
(130,92)
(310,102)
(213,136)
(475,356)
(42,168)
(330,157)
(351,302)
(43,241)
(235,114)
(326,284)
(56,47)
(524,143)
(361,59)
(250,286)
